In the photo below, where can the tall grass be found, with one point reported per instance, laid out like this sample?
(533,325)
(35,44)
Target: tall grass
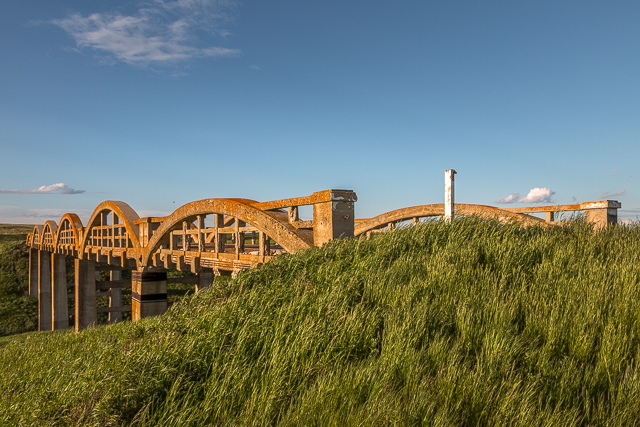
(18,312)
(472,323)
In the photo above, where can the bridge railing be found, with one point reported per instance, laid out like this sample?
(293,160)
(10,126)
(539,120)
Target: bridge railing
(599,212)
(212,237)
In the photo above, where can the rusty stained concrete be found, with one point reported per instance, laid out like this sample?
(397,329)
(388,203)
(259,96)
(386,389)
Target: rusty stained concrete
(116,238)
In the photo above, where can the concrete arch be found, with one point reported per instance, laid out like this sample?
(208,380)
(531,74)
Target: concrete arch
(126,215)
(281,231)
(74,224)
(36,236)
(49,230)
(437,209)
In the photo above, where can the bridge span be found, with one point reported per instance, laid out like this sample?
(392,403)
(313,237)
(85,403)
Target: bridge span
(209,237)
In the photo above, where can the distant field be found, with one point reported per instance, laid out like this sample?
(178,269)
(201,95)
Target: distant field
(15,228)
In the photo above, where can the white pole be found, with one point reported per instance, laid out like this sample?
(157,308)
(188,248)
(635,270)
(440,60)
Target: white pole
(449,195)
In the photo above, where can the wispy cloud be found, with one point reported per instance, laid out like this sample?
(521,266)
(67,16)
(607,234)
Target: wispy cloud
(18,215)
(60,188)
(536,195)
(606,194)
(161,32)
(511,198)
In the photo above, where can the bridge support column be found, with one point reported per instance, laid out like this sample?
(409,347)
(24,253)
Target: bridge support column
(148,292)
(334,219)
(33,272)
(44,291)
(59,298)
(205,279)
(115,299)
(86,310)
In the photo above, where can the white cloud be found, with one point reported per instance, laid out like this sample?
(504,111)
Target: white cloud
(536,195)
(606,194)
(511,198)
(60,188)
(163,32)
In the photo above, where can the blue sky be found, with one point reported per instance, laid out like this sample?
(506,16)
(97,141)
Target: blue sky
(159,103)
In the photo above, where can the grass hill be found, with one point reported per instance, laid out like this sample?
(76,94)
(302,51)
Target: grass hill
(18,312)
(472,323)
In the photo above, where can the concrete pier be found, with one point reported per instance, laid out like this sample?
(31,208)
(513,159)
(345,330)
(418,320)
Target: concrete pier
(33,272)
(205,279)
(59,306)
(115,297)
(148,292)
(86,311)
(44,291)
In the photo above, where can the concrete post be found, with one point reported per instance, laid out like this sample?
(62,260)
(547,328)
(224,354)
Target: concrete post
(264,245)
(59,298)
(44,291)
(334,219)
(148,292)
(86,310)
(239,237)
(33,272)
(601,214)
(205,279)
(115,299)
(449,194)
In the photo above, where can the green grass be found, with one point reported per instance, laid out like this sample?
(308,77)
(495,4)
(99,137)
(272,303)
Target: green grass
(18,312)
(472,323)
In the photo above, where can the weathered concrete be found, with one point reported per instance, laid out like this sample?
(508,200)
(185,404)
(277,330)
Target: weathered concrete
(205,279)
(115,297)
(44,291)
(601,218)
(600,213)
(437,209)
(334,218)
(449,194)
(33,272)
(59,298)
(86,311)
(148,292)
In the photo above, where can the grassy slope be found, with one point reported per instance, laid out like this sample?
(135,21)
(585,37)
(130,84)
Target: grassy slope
(18,312)
(462,324)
